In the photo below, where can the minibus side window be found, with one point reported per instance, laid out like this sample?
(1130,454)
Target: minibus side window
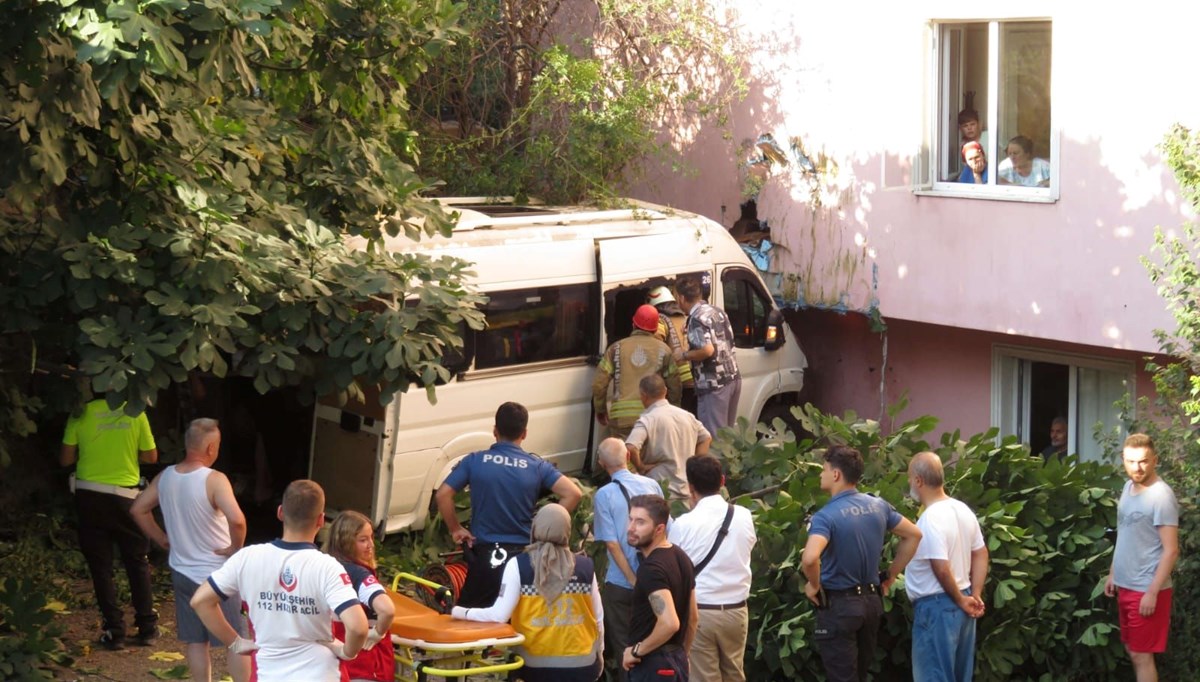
(747,307)
(535,325)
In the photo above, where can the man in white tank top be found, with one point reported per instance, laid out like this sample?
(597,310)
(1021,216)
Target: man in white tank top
(204,527)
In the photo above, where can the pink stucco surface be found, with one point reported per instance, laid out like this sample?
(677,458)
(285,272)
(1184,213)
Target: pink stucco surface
(854,92)
(943,371)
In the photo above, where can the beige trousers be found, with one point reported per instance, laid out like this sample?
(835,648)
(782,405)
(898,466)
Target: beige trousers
(719,647)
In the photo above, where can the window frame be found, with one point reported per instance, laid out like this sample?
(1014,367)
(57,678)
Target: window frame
(473,371)
(741,276)
(928,182)
(1074,362)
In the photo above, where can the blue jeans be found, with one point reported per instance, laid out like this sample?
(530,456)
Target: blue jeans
(943,641)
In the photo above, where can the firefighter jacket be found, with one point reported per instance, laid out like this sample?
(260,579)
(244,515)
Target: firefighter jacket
(615,388)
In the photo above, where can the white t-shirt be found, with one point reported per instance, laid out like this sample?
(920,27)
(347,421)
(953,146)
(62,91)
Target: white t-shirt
(726,579)
(950,532)
(293,592)
(1039,173)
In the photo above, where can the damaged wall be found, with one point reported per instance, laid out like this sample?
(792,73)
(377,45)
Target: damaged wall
(852,235)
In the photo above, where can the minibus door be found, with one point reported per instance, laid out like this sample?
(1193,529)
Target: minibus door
(631,262)
(347,455)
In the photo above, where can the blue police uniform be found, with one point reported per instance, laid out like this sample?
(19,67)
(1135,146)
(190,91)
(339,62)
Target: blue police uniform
(855,525)
(505,483)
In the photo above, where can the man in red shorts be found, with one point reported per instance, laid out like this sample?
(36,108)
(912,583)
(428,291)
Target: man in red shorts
(1147,547)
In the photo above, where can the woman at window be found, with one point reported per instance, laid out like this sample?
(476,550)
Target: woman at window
(1021,168)
(975,171)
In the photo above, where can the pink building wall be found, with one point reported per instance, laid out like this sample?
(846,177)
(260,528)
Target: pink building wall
(943,371)
(851,81)
(951,277)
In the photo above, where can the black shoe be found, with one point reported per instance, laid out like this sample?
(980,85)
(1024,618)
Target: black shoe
(146,636)
(112,641)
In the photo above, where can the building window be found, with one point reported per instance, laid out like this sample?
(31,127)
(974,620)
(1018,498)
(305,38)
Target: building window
(1032,388)
(993,88)
(536,325)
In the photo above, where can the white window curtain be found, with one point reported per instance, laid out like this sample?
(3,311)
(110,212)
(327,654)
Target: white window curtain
(1096,393)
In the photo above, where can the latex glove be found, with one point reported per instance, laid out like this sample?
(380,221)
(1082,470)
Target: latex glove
(243,646)
(373,637)
(338,647)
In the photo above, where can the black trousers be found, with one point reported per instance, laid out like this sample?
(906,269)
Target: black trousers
(661,666)
(104,520)
(482,584)
(846,633)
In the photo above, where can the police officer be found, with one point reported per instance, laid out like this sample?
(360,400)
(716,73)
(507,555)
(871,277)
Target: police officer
(505,483)
(107,444)
(841,562)
(615,395)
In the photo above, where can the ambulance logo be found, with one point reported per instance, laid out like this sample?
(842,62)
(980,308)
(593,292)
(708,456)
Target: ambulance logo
(287,579)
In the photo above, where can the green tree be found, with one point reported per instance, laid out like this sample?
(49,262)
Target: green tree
(565,101)
(1177,276)
(180,178)
(1172,417)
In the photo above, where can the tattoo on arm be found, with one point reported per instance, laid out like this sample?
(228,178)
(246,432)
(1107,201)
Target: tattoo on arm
(658,604)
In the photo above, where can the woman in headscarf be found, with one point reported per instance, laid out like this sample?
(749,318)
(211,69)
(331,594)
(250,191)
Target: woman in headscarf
(553,599)
(352,542)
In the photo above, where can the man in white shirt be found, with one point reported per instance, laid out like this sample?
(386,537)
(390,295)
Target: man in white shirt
(949,569)
(722,576)
(664,437)
(205,526)
(293,590)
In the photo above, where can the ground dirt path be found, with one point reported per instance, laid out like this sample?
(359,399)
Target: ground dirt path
(93,663)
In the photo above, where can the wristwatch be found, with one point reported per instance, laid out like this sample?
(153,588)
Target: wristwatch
(634,649)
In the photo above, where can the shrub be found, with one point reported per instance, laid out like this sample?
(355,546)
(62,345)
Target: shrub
(1047,525)
(29,641)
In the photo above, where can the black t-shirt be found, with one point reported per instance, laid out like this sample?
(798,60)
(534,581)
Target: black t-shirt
(666,568)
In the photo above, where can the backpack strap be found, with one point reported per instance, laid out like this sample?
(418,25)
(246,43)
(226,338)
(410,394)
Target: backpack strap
(717,544)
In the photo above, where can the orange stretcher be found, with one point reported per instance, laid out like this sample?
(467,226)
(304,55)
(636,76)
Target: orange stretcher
(429,643)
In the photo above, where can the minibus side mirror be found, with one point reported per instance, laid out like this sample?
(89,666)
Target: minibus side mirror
(775,330)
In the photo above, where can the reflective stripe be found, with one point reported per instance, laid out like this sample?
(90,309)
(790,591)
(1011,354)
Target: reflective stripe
(129,493)
(560,661)
(615,386)
(678,344)
(625,408)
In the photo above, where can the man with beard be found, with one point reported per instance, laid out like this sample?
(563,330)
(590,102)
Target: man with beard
(664,611)
(1146,551)
(1058,439)
(611,525)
